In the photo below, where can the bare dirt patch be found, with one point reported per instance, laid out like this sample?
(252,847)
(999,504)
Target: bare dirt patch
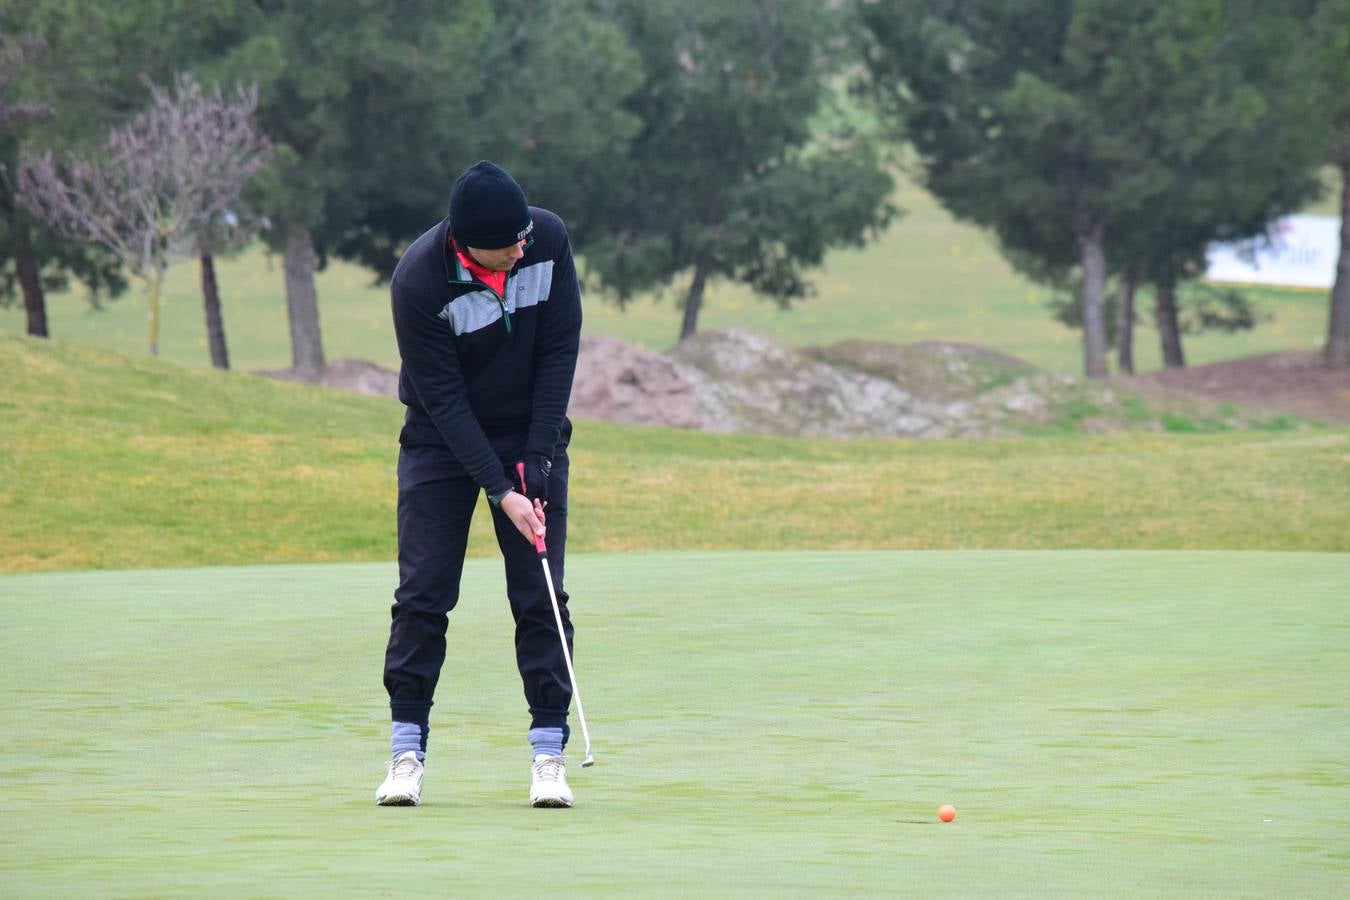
(1293,382)
(347,374)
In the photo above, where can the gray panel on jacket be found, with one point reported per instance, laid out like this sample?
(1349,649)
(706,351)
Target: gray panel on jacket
(475,311)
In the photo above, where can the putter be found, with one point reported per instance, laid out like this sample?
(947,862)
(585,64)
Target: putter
(542,550)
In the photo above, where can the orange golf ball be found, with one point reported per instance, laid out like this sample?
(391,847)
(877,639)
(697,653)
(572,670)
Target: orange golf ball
(946,812)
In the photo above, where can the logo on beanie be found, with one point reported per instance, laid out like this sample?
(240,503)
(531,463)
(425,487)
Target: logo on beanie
(526,233)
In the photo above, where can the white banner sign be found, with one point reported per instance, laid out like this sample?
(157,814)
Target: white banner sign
(1301,251)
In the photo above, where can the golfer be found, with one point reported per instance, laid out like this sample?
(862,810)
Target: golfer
(488,317)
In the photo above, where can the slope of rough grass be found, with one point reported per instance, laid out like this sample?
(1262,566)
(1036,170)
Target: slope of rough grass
(110,462)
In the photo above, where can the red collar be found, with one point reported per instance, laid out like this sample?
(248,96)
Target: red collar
(491,277)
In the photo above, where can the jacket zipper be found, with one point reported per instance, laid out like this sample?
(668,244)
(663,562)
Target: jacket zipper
(501,300)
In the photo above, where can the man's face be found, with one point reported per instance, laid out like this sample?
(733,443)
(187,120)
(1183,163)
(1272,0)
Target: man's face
(501,259)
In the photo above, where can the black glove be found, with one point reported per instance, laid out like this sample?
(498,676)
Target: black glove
(537,468)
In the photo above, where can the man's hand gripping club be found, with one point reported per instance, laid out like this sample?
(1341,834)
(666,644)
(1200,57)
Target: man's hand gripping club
(526,508)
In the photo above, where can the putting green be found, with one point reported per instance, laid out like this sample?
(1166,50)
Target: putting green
(1104,722)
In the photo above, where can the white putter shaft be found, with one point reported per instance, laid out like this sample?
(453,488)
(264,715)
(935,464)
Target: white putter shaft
(541,548)
(567,658)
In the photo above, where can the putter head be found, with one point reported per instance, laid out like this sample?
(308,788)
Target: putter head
(588,761)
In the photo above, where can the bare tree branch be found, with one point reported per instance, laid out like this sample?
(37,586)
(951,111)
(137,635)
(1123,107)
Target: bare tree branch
(160,183)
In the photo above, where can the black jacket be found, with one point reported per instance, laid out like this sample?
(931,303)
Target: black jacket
(477,365)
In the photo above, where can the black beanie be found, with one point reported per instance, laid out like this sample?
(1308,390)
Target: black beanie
(488,209)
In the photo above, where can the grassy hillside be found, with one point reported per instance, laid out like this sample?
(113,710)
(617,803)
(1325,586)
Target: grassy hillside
(928,278)
(112,462)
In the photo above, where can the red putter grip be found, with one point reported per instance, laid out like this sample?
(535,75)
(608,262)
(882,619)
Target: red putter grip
(538,539)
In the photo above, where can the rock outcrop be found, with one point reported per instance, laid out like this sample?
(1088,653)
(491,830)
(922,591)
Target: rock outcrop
(746,382)
(618,382)
(731,381)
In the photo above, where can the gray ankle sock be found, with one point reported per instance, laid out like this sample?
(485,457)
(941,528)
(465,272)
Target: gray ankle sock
(545,742)
(405,736)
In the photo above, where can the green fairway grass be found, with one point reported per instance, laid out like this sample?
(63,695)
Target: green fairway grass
(115,462)
(928,278)
(776,724)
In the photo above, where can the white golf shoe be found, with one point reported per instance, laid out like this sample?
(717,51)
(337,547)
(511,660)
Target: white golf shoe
(548,782)
(403,785)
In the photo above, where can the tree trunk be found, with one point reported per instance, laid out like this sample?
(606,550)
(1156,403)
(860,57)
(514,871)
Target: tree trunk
(1093,256)
(1169,325)
(302,302)
(152,296)
(1338,328)
(1125,341)
(30,282)
(693,301)
(215,325)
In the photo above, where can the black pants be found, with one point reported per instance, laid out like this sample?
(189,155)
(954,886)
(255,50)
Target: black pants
(436,499)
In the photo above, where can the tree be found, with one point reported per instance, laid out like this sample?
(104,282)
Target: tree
(1330,48)
(373,130)
(41,261)
(372,115)
(15,52)
(1005,107)
(229,233)
(1072,126)
(1238,135)
(726,177)
(162,179)
(561,138)
(365,109)
(1337,350)
(83,79)
(991,97)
